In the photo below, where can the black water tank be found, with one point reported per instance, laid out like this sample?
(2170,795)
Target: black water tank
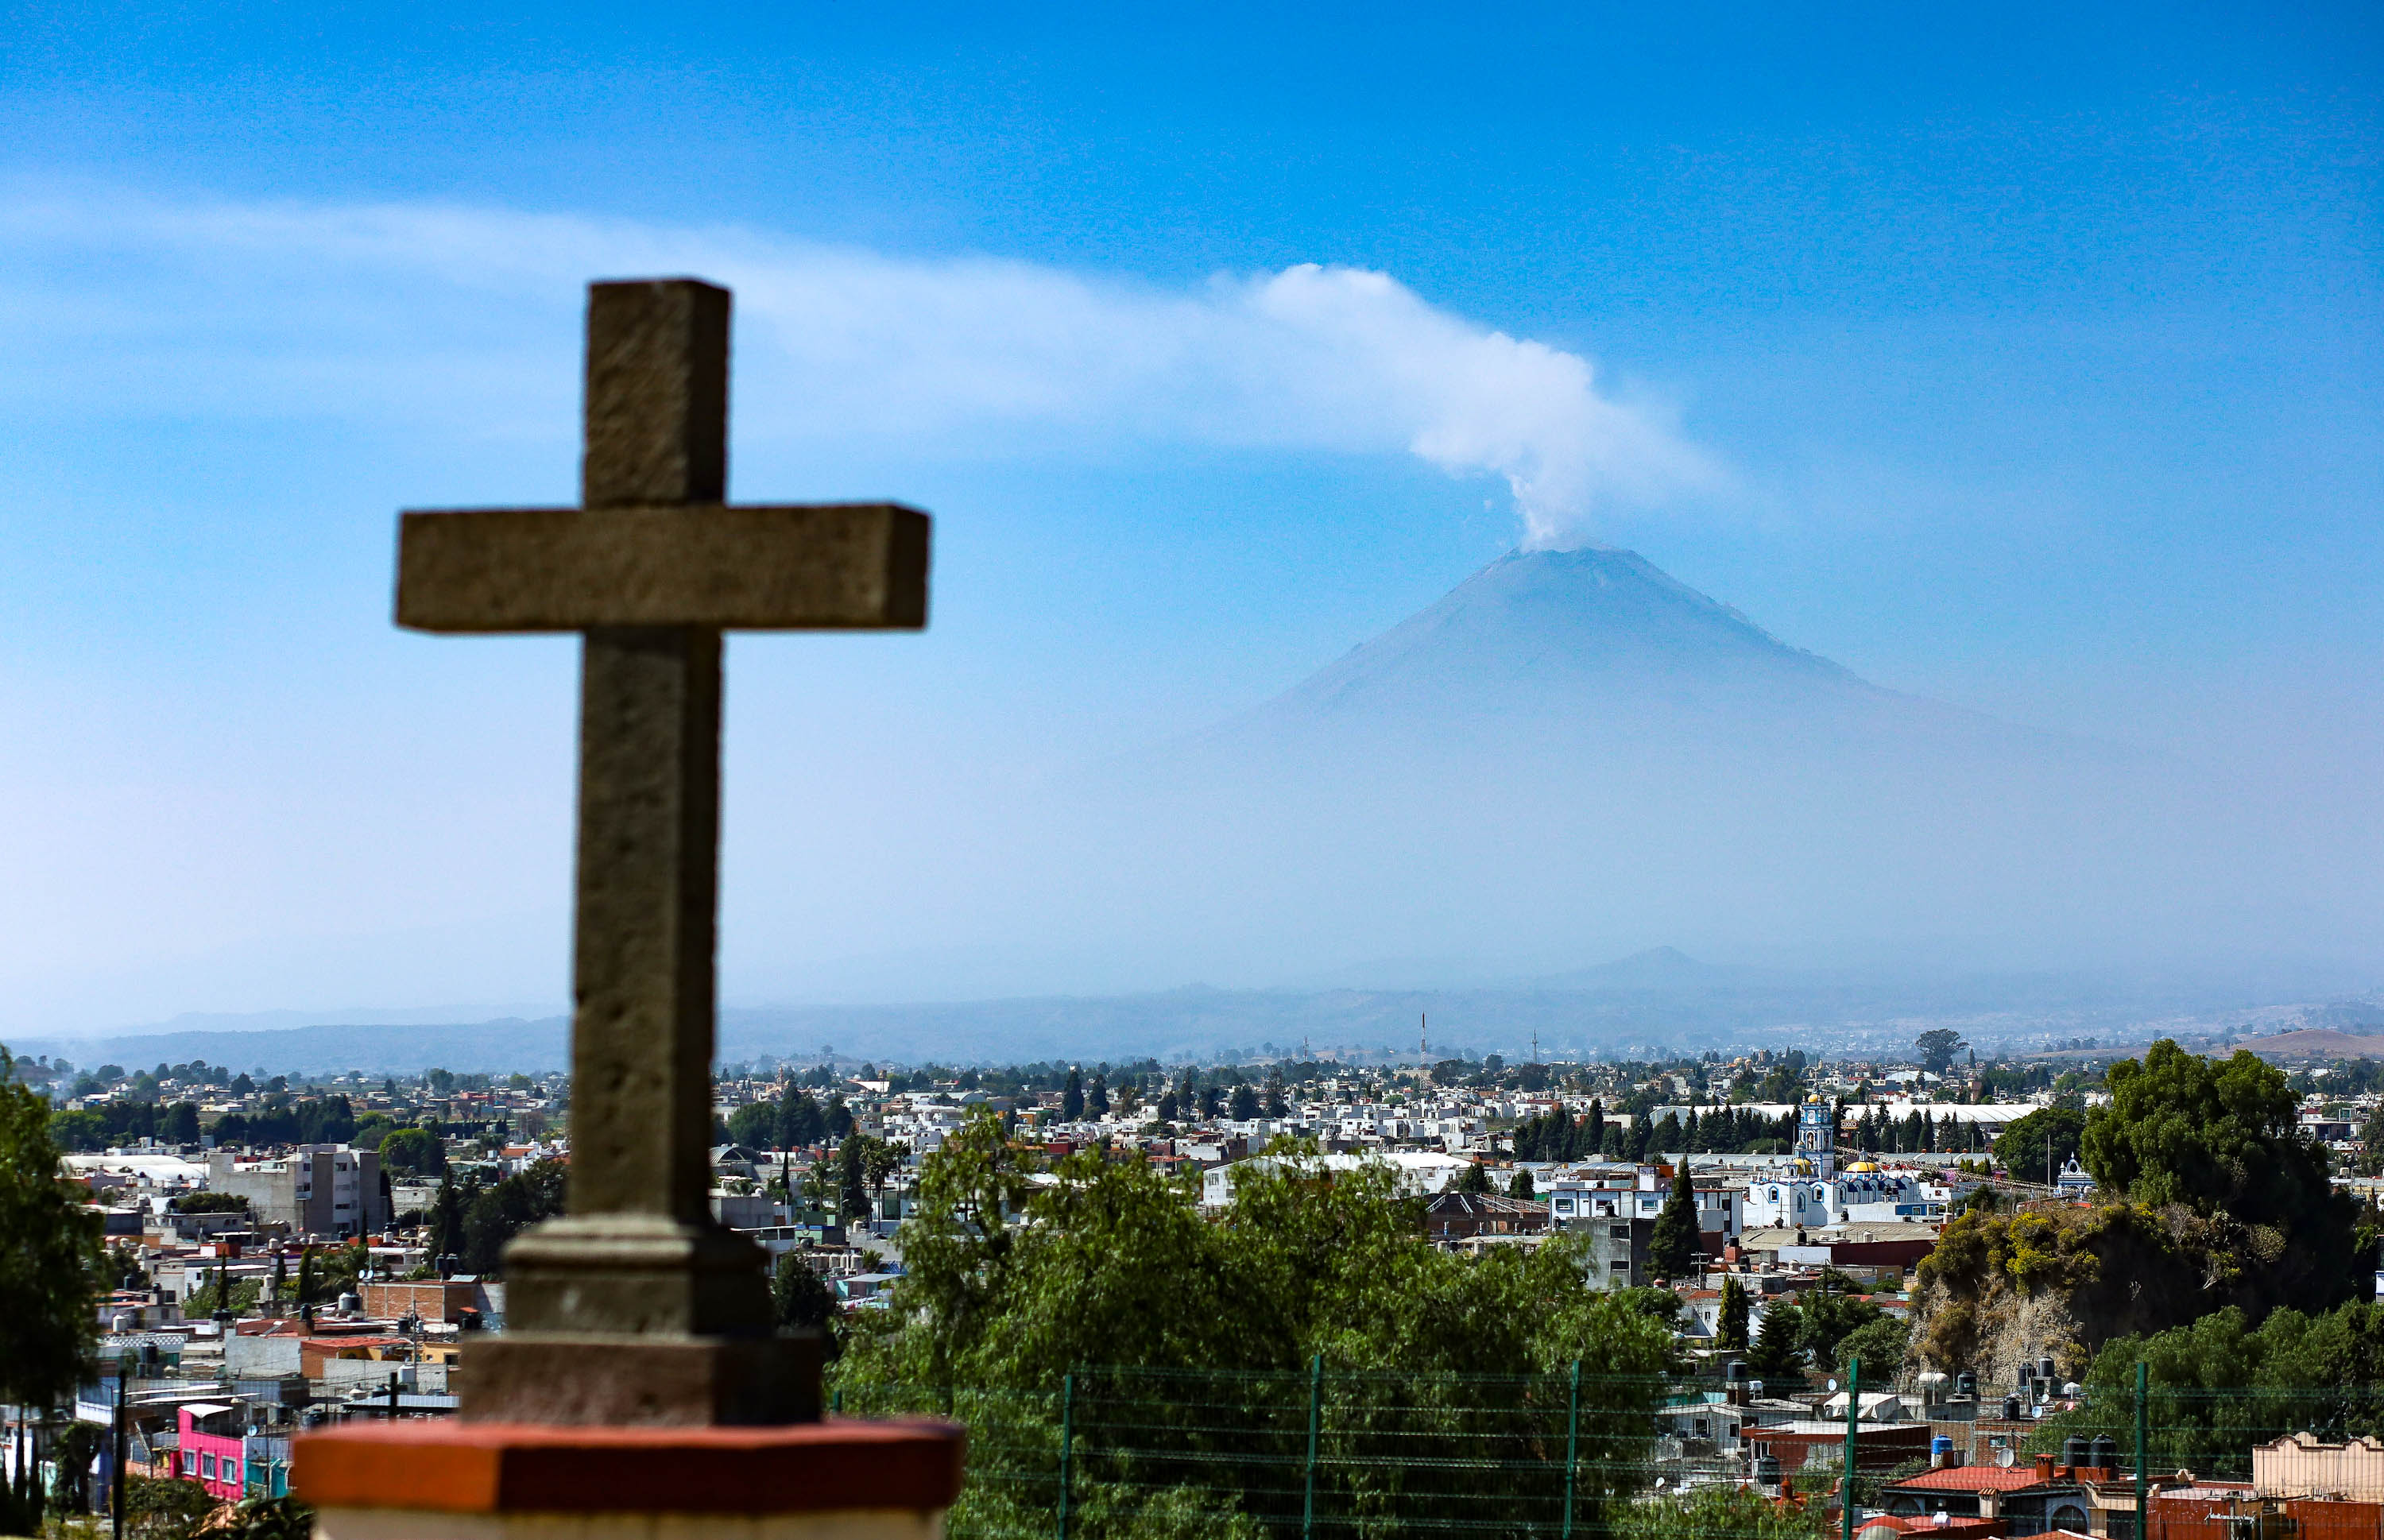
(1966,1384)
(2073,1451)
(2106,1452)
(2044,1369)
(2011,1408)
(1767,1470)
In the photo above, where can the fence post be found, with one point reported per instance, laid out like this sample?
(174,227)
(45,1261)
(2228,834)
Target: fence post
(1572,1445)
(116,1436)
(2145,1396)
(1315,1400)
(1854,1410)
(1067,1424)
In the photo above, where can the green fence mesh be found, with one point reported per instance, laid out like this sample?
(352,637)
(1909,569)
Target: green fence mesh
(1165,1453)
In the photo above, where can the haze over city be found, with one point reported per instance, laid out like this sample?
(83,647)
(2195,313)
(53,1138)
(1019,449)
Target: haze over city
(1888,503)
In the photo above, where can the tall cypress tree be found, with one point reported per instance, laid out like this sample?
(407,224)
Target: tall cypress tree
(1730,1329)
(1671,1250)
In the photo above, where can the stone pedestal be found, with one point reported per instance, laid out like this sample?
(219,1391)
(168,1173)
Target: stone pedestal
(450,1480)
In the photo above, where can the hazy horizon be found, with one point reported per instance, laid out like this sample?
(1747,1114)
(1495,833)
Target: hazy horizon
(2027,367)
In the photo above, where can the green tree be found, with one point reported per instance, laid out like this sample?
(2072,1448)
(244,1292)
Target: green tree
(72,1451)
(1730,1326)
(2222,1139)
(1475,1177)
(165,1507)
(1244,1105)
(446,1221)
(1672,1248)
(1113,1264)
(415,1150)
(52,1263)
(2025,1146)
(180,1124)
(1777,1356)
(1937,1047)
(801,1298)
(852,1175)
(1832,1313)
(1712,1513)
(1071,1097)
(497,1214)
(754,1124)
(1880,1344)
(1522,1185)
(800,1123)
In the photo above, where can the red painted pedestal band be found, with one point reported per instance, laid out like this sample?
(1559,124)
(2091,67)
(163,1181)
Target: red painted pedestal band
(457,1467)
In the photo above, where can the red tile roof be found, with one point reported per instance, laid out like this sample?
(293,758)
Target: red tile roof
(1972,1478)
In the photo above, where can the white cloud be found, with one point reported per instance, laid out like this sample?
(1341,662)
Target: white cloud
(398,311)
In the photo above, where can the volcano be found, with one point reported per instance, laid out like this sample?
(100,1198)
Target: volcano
(1538,627)
(1575,656)
(1574,753)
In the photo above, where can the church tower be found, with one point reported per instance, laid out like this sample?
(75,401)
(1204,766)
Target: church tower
(1817,1136)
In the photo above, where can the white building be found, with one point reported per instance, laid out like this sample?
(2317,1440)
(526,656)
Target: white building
(1812,1192)
(1421,1171)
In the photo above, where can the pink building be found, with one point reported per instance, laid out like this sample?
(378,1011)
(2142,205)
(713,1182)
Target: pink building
(212,1450)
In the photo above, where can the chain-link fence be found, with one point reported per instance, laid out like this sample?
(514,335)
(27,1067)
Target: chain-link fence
(1157,1454)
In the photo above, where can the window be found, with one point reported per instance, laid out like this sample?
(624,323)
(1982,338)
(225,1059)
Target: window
(1618,1232)
(208,1467)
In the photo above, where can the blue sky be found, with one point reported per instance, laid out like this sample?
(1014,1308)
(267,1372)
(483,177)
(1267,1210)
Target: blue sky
(2027,359)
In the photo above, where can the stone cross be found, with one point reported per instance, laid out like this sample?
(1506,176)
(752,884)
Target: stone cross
(636,1306)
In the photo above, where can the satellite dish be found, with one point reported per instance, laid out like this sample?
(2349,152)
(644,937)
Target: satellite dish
(1833,1385)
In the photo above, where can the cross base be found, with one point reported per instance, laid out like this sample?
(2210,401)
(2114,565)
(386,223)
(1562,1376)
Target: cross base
(442,1480)
(589,1378)
(639,1320)
(630,1272)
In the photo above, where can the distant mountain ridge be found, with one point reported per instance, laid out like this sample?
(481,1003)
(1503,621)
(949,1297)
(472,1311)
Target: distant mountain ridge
(1660,999)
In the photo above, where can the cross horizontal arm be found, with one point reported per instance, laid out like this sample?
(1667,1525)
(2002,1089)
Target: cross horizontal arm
(855,566)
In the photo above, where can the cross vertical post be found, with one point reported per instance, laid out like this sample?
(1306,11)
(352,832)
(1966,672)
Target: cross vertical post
(636,1306)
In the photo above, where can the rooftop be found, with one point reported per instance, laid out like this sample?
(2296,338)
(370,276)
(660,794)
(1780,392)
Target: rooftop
(1971,1478)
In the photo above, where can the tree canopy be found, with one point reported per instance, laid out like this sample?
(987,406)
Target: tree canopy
(2182,1129)
(413,1150)
(2022,1146)
(1119,1266)
(1937,1047)
(51,1259)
